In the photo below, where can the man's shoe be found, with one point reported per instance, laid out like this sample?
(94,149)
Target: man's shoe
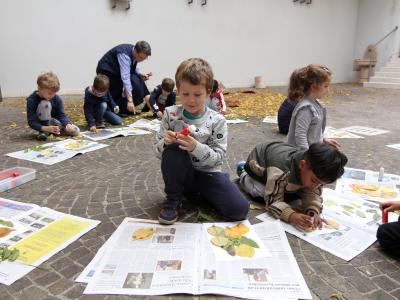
(42,136)
(170,212)
(240,167)
(100,124)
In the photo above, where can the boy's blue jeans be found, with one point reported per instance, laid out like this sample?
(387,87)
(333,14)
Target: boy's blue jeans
(181,177)
(101,112)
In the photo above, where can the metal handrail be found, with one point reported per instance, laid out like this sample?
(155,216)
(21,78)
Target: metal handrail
(393,30)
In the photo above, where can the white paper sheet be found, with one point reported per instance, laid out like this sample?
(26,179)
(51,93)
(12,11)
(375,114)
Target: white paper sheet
(52,153)
(104,134)
(363,130)
(179,259)
(333,133)
(42,232)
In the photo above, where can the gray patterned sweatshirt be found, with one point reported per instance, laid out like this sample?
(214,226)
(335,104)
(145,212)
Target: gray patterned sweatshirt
(210,131)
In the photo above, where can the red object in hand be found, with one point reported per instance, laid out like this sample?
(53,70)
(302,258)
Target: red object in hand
(384,217)
(185,131)
(15,174)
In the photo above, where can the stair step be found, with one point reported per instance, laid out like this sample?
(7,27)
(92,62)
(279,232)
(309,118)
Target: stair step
(390,69)
(387,74)
(384,79)
(384,85)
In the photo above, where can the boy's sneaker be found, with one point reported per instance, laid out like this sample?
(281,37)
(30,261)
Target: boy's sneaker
(100,124)
(240,167)
(42,136)
(170,212)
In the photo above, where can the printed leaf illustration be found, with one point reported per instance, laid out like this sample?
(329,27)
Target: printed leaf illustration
(233,240)
(249,242)
(220,241)
(6,223)
(245,251)
(216,230)
(142,234)
(360,213)
(4,231)
(376,217)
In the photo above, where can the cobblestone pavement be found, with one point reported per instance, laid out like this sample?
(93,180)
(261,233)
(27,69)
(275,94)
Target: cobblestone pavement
(124,180)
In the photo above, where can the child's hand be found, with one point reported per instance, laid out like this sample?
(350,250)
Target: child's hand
(186,142)
(116,109)
(159,115)
(93,129)
(146,76)
(390,206)
(51,129)
(333,143)
(170,137)
(301,221)
(131,107)
(318,221)
(69,128)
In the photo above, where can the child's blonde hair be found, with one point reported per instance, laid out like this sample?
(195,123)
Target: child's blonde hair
(302,79)
(196,71)
(101,83)
(48,81)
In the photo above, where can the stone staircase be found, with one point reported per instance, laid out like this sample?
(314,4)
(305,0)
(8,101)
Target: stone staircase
(388,76)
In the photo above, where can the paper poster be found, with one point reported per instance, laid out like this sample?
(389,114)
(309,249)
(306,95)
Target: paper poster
(103,134)
(333,133)
(153,125)
(366,185)
(236,121)
(270,119)
(53,153)
(394,146)
(364,130)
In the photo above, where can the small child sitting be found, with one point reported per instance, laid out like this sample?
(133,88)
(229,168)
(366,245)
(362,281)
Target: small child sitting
(45,109)
(99,104)
(287,107)
(216,99)
(277,172)
(192,142)
(163,96)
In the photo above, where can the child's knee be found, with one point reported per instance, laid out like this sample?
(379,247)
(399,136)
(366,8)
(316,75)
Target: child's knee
(238,210)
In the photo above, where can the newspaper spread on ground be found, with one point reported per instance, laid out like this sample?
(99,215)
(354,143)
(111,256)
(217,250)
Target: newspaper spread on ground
(235,121)
(394,146)
(369,185)
(270,119)
(153,125)
(103,134)
(145,258)
(359,220)
(38,233)
(333,133)
(52,153)
(364,130)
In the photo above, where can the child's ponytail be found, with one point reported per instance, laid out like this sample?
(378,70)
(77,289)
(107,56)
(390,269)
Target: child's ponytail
(301,80)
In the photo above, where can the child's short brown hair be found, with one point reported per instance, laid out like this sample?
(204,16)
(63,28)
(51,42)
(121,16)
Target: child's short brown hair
(168,85)
(48,81)
(101,83)
(196,71)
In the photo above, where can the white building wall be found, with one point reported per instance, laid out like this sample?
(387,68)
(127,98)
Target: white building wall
(375,20)
(241,39)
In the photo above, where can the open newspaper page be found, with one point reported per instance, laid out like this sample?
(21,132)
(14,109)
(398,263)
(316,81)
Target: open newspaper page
(357,219)
(366,185)
(41,233)
(149,259)
(274,277)
(103,134)
(52,153)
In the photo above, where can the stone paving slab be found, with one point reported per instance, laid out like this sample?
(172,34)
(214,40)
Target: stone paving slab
(124,180)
